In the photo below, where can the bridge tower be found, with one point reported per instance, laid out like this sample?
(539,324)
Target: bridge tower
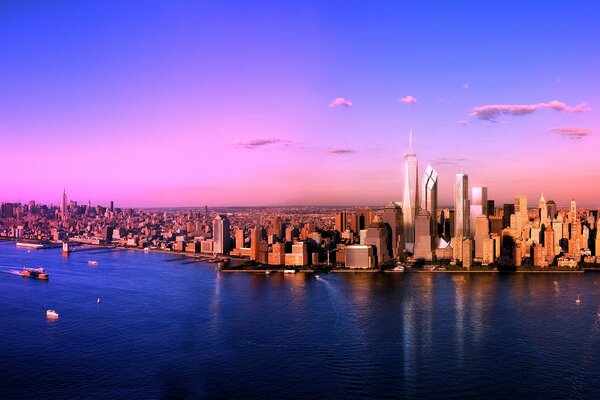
(66,249)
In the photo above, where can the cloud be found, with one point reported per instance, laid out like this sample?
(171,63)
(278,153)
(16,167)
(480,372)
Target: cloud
(492,111)
(408,100)
(466,86)
(573,133)
(258,142)
(340,102)
(447,161)
(341,151)
(462,122)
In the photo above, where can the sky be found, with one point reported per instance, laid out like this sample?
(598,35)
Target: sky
(244,103)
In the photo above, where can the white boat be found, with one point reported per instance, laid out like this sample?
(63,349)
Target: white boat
(578,301)
(267,272)
(289,271)
(92,262)
(317,277)
(98,301)
(51,314)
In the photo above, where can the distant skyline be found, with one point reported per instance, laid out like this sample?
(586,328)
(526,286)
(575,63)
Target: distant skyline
(245,103)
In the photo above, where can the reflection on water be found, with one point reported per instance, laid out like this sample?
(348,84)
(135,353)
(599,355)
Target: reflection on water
(186,330)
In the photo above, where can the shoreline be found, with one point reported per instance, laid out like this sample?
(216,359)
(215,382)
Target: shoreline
(205,258)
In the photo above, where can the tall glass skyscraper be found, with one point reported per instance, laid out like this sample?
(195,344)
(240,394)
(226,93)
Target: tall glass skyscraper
(461,206)
(409,201)
(429,189)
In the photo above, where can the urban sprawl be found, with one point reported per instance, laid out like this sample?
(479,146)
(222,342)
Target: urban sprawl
(475,235)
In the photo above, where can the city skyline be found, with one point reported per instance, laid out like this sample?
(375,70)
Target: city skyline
(173,110)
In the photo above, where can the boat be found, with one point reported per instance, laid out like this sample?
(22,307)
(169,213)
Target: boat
(578,301)
(267,272)
(289,271)
(37,273)
(92,262)
(398,268)
(98,301)
(317,277)
(51,314)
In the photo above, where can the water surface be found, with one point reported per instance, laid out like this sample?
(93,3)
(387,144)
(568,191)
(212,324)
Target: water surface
(168,328)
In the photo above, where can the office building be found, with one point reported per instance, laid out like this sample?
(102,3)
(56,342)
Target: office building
(424,239)
(393,219)
(482,232)
(507,211)
(543,211)
(461,206)
(341,221)
(429,195)
(360,256)
(410,197)
(522,216)
(221,235)
(478,205)
(377,236)
(551,205)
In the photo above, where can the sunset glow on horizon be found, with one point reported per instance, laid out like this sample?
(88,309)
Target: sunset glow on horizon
(158,104)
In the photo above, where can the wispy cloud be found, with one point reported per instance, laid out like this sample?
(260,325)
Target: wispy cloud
(466,86)
(258,142)
(572,132)
(408,100)
(462,122)
(492,111)
(341,151)
(340,102)
(447,161)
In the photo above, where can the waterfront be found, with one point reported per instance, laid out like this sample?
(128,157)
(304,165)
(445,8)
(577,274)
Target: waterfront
(169,327)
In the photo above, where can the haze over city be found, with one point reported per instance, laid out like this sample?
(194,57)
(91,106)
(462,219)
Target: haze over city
(296,103)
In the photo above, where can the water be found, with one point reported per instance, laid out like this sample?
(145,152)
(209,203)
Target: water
(167,328)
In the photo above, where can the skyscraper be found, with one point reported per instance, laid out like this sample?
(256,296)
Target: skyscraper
(551,210)
(507,211)
(543,211)
(392,217)
(429,196)
(461,206)
(424,239)
(341,221)
(482,232)
(377,235)
(410,198)
(521,212)
(478,205)
(63,203)
(221,237)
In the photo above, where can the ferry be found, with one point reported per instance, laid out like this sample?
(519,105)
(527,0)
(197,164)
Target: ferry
(92,262)
(38,273)
(51,314)
(289,271)
(35,245)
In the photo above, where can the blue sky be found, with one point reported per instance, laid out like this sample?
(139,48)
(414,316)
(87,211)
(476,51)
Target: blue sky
(227,103)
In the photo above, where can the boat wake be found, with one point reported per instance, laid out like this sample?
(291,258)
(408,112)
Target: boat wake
(10,271)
